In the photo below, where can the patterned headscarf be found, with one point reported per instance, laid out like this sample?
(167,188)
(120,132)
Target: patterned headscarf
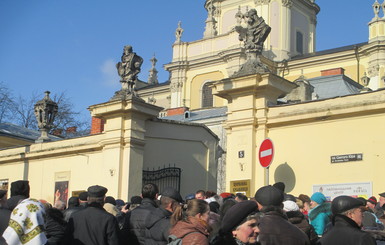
(26,225)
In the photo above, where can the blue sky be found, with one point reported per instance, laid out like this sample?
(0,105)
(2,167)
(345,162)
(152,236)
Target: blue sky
(73,45)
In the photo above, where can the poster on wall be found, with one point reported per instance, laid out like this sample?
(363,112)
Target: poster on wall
(61,187)
(358,189)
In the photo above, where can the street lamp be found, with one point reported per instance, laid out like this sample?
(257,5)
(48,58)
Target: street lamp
(45,112)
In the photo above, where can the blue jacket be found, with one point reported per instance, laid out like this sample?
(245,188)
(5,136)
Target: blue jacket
(319,217)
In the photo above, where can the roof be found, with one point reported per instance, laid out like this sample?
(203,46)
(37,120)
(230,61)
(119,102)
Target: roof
(334,86)
(329,51)
(15,131)
(201,114)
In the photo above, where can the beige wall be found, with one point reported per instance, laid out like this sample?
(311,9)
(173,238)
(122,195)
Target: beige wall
(114,158)
(191,148)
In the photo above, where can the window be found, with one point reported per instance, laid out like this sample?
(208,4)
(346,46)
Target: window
(207,95)
(299,42)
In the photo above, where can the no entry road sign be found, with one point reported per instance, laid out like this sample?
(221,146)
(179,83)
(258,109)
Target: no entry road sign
(266,153)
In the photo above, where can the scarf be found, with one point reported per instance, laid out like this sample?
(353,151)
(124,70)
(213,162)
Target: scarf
(26,224)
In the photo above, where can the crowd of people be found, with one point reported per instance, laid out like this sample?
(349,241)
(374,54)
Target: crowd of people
(270,217)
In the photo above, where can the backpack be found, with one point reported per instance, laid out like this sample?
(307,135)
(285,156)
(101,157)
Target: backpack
(173,240)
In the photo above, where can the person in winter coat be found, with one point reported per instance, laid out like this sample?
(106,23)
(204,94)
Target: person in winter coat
(93,225)
(275,229)
(134,228)
(319,214)
(5,213)
(297,218)
(190,223)
(347,222)
(239,225)
(158,222)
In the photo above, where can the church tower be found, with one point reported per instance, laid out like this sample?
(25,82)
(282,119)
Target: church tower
(220,53)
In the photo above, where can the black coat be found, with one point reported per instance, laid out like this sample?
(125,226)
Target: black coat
(298,219)
(275,229)
(135,222)
(5,214)
(346,231)
(158,225)
(54,226)
(92,226)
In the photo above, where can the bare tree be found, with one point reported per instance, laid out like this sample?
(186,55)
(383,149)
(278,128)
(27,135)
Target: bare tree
(23,109)
(6,103)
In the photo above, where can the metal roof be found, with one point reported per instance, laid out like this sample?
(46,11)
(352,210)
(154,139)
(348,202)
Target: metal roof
(12,130)
(334,86)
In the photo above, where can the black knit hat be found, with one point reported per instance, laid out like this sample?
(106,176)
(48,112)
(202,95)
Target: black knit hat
(344,203)
(20,188)
(236,215)
(269,196)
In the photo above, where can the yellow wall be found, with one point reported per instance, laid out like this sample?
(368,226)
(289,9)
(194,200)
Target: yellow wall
(196,89)
(307,150)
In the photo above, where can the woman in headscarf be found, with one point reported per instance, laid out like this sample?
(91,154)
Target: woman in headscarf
(26,225)
(191,225)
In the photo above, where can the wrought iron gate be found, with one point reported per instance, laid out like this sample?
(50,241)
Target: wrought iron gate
(165,177)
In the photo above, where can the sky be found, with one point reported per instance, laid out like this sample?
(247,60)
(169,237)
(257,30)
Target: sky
(72,46)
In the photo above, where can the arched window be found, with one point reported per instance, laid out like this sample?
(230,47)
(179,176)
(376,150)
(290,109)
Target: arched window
(207,95)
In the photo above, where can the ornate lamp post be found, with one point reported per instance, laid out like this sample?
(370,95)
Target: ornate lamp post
(45,112)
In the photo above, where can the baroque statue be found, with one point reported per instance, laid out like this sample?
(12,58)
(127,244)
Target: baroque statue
(253,36)
(129,68)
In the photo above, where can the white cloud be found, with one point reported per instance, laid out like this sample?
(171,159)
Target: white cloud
(110,74)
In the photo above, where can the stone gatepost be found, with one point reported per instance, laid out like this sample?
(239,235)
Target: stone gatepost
(248,99)
(124,130)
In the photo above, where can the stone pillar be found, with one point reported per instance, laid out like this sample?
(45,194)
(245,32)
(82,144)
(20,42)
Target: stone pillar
(124,130)
(246,126)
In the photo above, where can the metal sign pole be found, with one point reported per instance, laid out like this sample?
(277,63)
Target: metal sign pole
(267,176)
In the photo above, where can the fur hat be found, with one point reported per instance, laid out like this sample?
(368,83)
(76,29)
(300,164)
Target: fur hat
(83,196)
(20,188)
(318,197)
(280,186)
(97,191)
(236,215)
(269,196)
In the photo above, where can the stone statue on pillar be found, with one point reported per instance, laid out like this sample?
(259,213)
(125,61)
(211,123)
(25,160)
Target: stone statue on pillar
(128,70)
(253,36)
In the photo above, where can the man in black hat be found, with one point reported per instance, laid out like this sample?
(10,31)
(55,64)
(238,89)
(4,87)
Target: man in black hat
(275,229)
(93,225)
(347,221)
(19,191)
(5,213)
(158,222)
(134,228)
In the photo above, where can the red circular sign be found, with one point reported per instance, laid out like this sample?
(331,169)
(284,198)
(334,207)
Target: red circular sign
(266,153)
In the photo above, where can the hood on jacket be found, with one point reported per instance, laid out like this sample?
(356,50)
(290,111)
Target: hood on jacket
(157,215)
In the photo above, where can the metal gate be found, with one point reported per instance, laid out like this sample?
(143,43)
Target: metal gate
(165,177)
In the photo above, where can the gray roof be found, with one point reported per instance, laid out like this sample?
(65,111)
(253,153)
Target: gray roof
(199,114)
(334,86)
(15,131)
